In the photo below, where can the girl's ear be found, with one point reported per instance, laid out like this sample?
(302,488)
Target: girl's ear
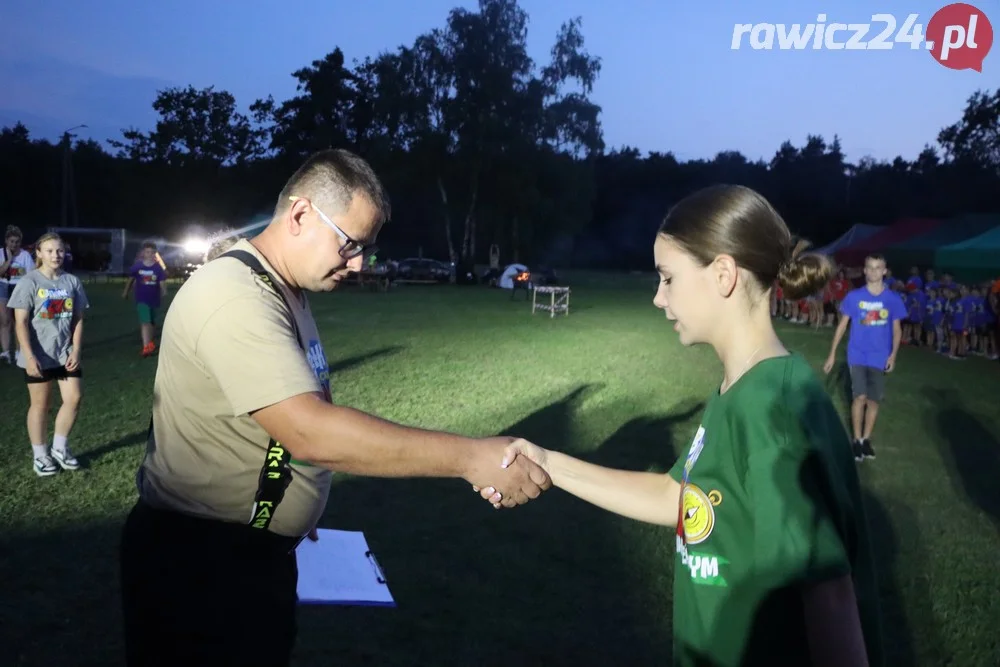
(726,274)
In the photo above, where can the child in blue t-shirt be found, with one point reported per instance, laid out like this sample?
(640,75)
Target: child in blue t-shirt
(874,313)
(948,307)
(915,300)
(914,283)
(933,318)
(961,320)
(975,320)
(930,282)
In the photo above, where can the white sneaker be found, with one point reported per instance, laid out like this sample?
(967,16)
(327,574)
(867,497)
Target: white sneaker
(45,466)
(65,458)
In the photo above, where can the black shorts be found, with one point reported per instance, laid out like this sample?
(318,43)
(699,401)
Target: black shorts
(202,592)
(829,308)
(50,374)
(869,382)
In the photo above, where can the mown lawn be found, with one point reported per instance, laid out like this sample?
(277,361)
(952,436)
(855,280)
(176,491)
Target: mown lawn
(556,582)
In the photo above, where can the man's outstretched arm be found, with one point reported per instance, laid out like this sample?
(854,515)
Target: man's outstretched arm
(347,440)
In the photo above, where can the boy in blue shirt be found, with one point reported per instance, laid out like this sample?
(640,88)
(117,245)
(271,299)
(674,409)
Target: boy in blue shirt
(874,313)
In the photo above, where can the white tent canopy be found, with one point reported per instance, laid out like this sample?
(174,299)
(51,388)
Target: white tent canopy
(855,234)
(507,277)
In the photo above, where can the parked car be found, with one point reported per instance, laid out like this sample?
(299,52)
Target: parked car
(424,269)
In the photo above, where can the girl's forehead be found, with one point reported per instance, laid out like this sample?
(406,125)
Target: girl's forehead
(666,250)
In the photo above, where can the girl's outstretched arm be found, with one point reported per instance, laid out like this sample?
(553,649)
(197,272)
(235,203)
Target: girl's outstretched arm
(644,496)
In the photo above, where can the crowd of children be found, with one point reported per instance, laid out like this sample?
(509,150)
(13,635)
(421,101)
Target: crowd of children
(956,320)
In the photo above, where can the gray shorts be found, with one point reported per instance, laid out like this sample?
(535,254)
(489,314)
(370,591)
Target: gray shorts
(869,382)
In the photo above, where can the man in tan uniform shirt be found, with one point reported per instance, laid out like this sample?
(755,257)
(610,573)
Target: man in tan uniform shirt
(244,435)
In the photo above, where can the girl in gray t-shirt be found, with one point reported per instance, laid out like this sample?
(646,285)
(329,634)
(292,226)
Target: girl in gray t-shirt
(48,307)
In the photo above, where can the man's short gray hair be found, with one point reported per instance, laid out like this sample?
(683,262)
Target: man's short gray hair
(331,178)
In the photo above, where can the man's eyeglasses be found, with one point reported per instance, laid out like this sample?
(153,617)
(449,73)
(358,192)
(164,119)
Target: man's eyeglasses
(350,248)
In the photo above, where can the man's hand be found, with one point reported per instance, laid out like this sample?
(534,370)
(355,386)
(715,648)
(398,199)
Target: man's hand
(828,366)
(512,480)
(524,450)
(890,364)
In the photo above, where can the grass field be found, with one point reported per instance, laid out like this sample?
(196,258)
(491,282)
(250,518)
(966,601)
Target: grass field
(556,582)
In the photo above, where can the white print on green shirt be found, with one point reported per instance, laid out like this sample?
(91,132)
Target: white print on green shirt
(703,568)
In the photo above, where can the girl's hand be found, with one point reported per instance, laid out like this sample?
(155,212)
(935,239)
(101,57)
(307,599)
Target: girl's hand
(32,368)
(519,447)
(72,362)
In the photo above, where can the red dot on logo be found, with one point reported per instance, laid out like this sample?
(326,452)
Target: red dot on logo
(962,36)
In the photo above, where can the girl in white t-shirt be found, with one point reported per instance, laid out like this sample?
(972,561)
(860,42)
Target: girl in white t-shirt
(14,263)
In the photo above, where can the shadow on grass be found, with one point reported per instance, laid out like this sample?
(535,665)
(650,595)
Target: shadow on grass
(352,362)
(60,601)
(553,582)
(901,564)
(838,383)
(90,457)
(970,451)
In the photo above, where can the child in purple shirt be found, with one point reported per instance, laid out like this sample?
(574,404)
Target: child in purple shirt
(150,280)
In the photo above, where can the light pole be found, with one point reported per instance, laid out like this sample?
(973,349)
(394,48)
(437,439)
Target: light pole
(68,189)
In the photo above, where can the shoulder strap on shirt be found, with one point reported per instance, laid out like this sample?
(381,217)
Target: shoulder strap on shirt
(254,264)
(276,473)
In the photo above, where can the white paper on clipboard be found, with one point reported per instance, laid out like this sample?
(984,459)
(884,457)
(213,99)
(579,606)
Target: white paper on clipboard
(339,568)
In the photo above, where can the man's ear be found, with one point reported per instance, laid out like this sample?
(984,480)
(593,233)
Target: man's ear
(293,218)
(726,274)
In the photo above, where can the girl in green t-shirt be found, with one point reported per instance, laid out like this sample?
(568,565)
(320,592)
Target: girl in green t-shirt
(773,561)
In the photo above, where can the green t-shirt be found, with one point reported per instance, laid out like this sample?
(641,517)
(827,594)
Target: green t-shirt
(772,500)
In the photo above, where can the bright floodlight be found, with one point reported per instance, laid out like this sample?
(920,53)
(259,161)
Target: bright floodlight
(196,246)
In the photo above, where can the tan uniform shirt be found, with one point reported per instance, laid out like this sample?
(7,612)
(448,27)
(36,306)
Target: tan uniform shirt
(228,348)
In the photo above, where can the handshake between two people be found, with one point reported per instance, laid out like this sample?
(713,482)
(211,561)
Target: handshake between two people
(516,475)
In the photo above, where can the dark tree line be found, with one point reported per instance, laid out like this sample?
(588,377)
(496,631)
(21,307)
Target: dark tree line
(477,145)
